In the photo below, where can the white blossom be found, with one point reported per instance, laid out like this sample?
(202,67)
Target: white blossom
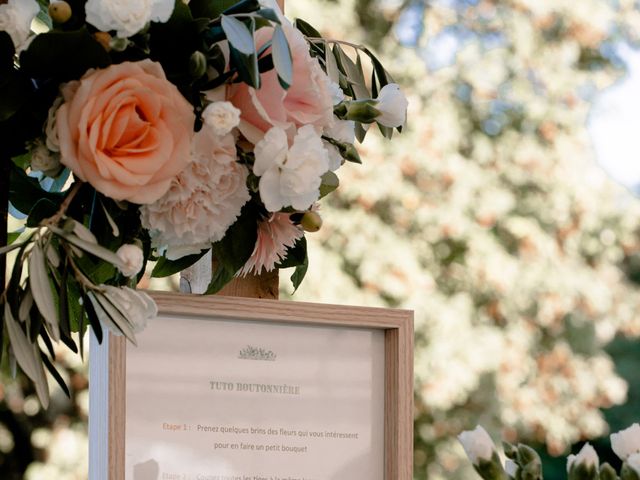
(15,19)
(343,131)
(202,202)
(477,445)
(132,259)
(125,16)
(392,104)
(626,442)
(587,456)
(634,463)
(290,177)
(221,117)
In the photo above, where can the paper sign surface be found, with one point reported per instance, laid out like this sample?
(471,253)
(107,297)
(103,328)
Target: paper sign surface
(233,400)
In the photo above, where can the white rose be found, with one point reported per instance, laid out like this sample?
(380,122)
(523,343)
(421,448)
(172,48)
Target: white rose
(42,160)
(392,105)
(626,442)
(15,19)
(221,117)
(132,259)
(477,445)
(125,16)
(343,131)
(290,177)
(586,457)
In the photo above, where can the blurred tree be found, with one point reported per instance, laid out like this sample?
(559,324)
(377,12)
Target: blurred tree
(490,217)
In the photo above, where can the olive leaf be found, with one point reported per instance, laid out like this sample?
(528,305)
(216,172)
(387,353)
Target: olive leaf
(27,355)
(94,249)
(41,289)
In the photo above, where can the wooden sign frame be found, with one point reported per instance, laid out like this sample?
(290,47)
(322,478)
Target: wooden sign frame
(108,371)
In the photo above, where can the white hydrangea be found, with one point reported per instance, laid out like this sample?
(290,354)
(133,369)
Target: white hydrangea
(126,17)
(203,201)
(290,177)
(221,117)
(15,19)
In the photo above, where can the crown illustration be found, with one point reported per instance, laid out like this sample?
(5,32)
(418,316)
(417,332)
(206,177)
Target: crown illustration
(257,353)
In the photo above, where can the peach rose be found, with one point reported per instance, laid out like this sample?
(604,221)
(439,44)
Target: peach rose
(126,130)
(307,101)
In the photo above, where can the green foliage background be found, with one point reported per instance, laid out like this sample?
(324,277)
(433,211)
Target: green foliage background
(488,217)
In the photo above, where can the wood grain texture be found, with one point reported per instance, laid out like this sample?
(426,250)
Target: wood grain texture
(265,285)
(117,404)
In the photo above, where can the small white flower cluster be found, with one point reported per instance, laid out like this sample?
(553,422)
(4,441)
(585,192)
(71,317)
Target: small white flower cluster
(126,17)
(15,19)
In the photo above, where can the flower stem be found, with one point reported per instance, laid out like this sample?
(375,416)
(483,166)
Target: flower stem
(55,219)
(331,40)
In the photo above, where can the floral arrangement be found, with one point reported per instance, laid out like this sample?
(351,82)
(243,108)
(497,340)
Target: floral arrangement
(161,130)
(523,463)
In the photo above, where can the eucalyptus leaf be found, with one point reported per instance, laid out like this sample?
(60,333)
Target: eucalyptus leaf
(282,59)
(269,14)
(40,284)
(27,356)
(238,35)
(25,306)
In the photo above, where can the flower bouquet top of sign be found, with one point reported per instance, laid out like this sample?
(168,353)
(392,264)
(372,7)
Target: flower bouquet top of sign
(159,131)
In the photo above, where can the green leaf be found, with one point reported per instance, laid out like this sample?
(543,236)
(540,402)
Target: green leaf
(92,315)
(238,35)
(607,472)
(330,182)
(306,29)
(27,355)
(40,283)
(354,72)
(165,267)
(299,274)
(331,66)
(219,278)
(296,255)
(12,246)
(282,59)
(233,251)
(54,373)
(244,6)
(48,55)
(25,191)
(247,66)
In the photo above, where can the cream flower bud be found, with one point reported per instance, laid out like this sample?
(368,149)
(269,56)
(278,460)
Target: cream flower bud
(42,160)
(626,442)
(587,457)
(132,259)
(392,105)
(221,117)
(477,445)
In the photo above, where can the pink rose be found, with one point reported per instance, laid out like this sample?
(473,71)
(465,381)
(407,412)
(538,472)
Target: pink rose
(307,101)
(126,130)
